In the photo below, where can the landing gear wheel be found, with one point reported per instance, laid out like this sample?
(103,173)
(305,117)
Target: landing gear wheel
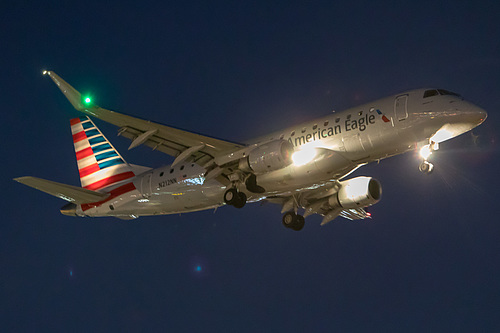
(288,219)
(293,221)
(231,196)
(299,224)
(242,200)
(426,167)
(234,198)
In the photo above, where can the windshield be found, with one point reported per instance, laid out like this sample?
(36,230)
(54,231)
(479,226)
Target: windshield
(435,92)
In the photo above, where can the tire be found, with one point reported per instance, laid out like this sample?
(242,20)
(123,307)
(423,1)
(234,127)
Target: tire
(231,196)
(299,223)
(242,200)
(425,167)
(289,219)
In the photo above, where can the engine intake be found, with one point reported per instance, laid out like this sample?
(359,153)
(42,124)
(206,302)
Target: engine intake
(357,192)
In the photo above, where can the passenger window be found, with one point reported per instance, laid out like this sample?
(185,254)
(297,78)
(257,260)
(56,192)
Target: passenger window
(372,109)
(315,126)
(325,123)
(360,113)
(348,116)
(293,133)
(304,130)
(182,167)
(282,136)
(337,120)
(161,174)
(171,170)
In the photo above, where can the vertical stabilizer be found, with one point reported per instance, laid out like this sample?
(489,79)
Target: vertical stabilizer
(99,164)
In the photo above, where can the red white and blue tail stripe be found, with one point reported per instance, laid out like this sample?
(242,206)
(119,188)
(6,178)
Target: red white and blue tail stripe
(99,164)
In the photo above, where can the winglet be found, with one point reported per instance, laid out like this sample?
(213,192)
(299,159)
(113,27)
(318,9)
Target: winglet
(71,93)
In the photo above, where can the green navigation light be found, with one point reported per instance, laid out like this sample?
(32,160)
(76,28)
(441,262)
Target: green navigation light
(87,100)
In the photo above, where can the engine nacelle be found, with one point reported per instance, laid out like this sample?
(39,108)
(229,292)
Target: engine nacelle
(268,157)
(357,192)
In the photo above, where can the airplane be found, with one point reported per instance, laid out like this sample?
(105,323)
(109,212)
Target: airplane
(303,168)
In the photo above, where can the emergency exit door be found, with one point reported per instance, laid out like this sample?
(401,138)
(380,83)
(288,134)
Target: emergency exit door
(146,185)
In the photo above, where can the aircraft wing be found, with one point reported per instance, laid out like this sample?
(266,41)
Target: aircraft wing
(69,193)
(172,141)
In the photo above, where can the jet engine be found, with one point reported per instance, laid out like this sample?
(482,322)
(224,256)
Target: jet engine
(268,157)
(357,192)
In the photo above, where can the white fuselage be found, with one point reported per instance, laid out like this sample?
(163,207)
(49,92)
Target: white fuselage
(342,142)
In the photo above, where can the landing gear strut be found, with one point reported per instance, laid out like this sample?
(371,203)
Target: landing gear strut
(234,198)
(426,151)
(293,221)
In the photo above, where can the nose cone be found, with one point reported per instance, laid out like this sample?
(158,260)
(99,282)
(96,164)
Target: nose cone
(482,115)
(471,114)
(459,121)
(69,209)
(467,115)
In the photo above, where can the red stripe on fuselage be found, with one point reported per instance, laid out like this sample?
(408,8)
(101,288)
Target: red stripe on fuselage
(89,170)
(113,194)
(79,136)
(110,180)
(74,121)
(84,153)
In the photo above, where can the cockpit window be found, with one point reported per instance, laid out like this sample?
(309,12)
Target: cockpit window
(446,92)
(433,92)
(430,93)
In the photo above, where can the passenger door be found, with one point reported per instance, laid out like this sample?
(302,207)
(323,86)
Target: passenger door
(400,107)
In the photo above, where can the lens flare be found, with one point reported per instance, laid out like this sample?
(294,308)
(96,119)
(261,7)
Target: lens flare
(304,156)
(425,152)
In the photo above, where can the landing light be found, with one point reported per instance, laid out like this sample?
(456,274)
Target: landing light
(425,152)
(304,156)
(445,133)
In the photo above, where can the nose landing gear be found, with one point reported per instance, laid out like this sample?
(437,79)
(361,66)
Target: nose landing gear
(426,167)
(426,151)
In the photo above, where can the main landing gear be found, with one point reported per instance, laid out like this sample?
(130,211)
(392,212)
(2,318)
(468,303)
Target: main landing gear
(235,198)
(426,151)
(293,221)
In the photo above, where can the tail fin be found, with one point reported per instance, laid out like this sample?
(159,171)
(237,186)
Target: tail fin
(99,164)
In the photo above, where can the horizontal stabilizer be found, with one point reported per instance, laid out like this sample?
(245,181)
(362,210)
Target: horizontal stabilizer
(69,193)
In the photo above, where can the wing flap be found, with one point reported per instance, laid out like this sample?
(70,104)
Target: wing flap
(69,193)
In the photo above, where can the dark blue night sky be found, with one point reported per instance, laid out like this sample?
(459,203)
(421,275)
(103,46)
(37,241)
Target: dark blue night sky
(428,261)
